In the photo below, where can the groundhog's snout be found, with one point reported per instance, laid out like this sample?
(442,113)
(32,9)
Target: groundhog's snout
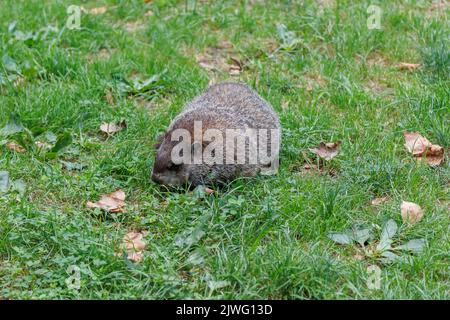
(156,177)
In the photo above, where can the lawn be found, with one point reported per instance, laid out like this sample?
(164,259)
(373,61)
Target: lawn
(329,77)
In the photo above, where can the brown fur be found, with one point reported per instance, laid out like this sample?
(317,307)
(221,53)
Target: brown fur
(222,106)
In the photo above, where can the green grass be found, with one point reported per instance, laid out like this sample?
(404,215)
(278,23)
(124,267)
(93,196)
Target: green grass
(257,238)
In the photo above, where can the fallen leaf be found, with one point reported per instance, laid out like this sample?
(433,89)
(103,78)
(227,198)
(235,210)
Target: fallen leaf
(112,202)
(340,237)
(15,147)
(415,245)
(4,181)
(208,190)
(408,66)
(43,145)
(98,10)
(380,200)
(327,150)
(134,245)
(411,212)
(111,128)
(109,97)
(421,148)
(389,230)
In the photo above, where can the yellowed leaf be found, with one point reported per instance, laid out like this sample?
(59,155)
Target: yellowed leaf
(97,10)
(408,66)
(15,147)
(327,150)
(111,128)
(411,212)
(134,245)
(380,200)
(112,202)
(421,148)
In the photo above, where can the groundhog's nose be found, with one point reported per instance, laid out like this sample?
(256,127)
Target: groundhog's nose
(156,178)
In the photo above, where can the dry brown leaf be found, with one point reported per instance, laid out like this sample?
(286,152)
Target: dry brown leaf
(98,10)
(111,128)
(327,150)
(43,145)
(15,147)
(208,190)
(421,148)
(112,202)
(408,66)
(134,245)
(411,212)
(380,200)
(147,1)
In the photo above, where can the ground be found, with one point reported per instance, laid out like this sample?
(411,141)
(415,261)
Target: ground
(329,77)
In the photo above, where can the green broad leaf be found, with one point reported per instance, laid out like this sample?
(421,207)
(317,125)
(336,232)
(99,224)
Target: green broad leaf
(12,26)
(19,186)
(13,126)
(4,181)
(214,285)
(339,237)
(72,166)
(64,140)
(389,257)
(415,245)
(9,64)
(196,258)
(360,234)
(199,192)
(389,230)
(189,237)
(147,84)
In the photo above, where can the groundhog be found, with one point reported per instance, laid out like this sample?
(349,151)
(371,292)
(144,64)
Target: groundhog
(228,131)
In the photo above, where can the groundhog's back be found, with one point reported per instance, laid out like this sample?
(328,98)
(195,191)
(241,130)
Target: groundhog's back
(236,101)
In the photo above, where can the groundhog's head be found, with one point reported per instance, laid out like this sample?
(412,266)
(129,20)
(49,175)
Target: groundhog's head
(170,170)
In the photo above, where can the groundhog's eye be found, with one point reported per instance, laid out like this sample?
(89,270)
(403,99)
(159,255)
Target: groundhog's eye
(172,166)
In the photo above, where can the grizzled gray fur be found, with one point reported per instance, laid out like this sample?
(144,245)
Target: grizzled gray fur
(227,105)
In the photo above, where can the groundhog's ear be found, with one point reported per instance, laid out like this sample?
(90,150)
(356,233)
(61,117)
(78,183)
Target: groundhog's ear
(159,141)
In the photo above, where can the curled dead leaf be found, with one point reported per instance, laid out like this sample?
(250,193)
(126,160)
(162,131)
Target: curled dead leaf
(98,10)
(411,212)
(134,245)
(111,128)
(15,147)
(421,148)
(380,200)
(112,202)
(208,190)
(408,66)
(327,150)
